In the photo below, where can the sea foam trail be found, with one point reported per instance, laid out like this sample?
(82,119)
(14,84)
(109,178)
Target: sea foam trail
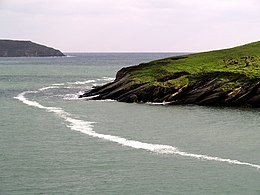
(86,127)
(158,103)
(49,87)
(81,82)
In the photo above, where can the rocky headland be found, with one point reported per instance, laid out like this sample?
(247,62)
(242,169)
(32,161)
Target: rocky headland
(13,48)
(229,78)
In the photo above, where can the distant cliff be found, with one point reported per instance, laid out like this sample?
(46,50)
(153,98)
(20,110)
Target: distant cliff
(12,48)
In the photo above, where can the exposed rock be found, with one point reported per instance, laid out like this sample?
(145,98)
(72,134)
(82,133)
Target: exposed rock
(208,93)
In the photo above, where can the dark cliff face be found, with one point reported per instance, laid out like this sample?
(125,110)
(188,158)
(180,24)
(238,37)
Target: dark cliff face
(11,48)
(209,92)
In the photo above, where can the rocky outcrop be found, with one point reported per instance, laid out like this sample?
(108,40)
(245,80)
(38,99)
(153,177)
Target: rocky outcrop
(12,48)
(209,92)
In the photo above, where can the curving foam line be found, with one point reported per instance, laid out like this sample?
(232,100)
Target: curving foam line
(58,84)
(86,127)
(81,82)
(158,103)
(106,79)
(49,87)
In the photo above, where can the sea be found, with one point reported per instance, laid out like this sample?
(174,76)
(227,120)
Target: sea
(52,142)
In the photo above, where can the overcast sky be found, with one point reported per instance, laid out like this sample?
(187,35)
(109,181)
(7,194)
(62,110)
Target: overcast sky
(132,25)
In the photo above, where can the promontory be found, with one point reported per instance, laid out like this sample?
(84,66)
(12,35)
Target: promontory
(14,48)
(229,77)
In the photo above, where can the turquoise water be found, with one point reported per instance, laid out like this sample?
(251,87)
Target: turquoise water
(53,143)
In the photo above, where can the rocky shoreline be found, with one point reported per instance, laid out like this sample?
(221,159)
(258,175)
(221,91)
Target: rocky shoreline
(209,92)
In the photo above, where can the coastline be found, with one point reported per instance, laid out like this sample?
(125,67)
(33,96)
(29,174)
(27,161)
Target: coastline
(229,78)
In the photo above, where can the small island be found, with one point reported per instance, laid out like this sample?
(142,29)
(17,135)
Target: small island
(13,48)
(229,77)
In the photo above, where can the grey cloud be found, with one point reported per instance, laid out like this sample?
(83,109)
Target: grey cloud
(132,25)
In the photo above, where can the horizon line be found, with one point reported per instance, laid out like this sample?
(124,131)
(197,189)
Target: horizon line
(129,51)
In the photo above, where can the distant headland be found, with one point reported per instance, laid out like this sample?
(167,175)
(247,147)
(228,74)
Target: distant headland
(14,48)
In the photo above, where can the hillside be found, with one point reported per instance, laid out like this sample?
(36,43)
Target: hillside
(12,48)
(229,77)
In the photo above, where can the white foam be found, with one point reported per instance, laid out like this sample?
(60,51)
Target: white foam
(49,87)
(98,84)
(90,97)
(158,103)
(106,79)
(86,127)
(70,97)
(58,84)
(81,82)
(91,81)
(106,100)
(28,102)
(73,96)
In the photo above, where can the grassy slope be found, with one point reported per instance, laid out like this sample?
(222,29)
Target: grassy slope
(231,66)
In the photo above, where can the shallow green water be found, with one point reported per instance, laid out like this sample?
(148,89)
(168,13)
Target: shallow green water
(46,150)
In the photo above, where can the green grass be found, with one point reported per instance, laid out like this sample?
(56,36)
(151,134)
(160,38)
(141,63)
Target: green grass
(233,66)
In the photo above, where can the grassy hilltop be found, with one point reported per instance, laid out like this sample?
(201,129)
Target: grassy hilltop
(232,66)
(229,77)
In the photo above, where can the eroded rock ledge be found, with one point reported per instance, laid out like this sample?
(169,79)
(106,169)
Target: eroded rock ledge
(209,92)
